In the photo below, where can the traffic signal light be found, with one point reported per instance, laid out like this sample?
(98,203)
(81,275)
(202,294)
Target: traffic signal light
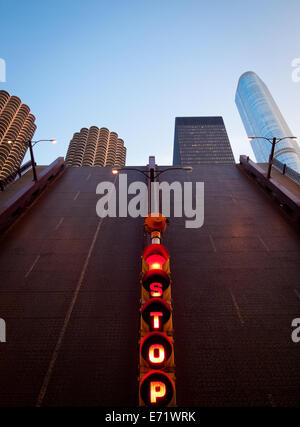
(156,316)
(156,351)
(157,389)
(155,257)
(156,284)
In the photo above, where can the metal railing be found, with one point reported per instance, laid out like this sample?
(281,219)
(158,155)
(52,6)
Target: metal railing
(285,170)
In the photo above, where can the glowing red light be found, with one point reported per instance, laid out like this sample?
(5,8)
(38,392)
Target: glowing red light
(157,390)
(156,353)
(156,315)
(156,289)
(156,282)
(155,262)
(156,350)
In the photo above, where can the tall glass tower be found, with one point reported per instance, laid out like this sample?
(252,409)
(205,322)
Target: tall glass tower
(261,117)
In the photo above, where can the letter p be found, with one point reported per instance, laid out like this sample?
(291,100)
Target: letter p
(157,390)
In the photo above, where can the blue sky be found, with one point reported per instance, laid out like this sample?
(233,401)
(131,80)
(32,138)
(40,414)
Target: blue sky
(133,66)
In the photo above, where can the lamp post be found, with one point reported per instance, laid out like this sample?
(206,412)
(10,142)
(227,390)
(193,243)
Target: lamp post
(272,141)
(151,174)
(30,145)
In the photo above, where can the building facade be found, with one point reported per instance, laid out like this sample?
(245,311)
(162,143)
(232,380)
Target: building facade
(201,140)
(262,118)
(16,123)
(96,147)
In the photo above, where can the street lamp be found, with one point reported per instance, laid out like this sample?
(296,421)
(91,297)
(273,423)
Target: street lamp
(151,174)
(272,141)
(31,144)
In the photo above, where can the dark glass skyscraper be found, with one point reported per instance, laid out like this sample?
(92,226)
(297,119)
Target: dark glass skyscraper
(201,140)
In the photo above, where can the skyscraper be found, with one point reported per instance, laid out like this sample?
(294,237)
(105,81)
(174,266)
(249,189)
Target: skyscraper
(262,118)
(201,140)
(96,147)
(16,123)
